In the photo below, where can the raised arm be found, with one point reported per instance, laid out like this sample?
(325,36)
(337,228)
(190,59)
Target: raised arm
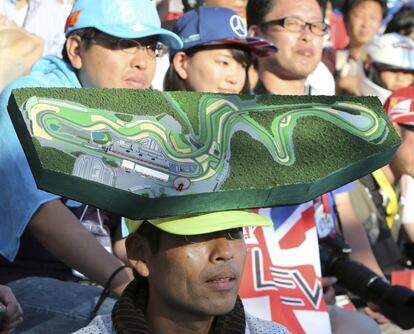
(60,232)
(355,234)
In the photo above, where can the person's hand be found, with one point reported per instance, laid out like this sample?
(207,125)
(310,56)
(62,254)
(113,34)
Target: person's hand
(14,313)
(348,85)
(329,291)
(372,310)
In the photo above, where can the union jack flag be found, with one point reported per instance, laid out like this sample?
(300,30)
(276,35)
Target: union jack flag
(282,275)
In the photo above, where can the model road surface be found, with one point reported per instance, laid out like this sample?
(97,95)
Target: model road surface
(152,156)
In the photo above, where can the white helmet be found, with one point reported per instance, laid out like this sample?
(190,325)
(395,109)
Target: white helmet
(390,51)
(393,50)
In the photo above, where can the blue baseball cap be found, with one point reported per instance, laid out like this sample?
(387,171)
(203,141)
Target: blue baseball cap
(120,18)
(217,25)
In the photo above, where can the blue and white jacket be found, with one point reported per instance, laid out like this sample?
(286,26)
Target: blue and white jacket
(19,196)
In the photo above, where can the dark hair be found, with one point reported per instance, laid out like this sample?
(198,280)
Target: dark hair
(373,74)
(349,4)
(256,10)
(86,34)
(402,22)
(323,4)
(192,4)
(172,81)
(151,234)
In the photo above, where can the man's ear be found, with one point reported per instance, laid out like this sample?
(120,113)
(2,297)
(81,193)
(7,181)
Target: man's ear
(180,63)
(140,267)
(138,253)
(73,49)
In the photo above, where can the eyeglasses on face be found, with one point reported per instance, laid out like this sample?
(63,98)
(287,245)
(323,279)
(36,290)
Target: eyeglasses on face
(131,46)
(294,24)
(231,234)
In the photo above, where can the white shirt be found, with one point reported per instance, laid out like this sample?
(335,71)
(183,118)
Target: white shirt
(321,80)
(44,18)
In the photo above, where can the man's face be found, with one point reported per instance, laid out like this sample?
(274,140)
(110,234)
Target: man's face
(403,160)
(364,21)
(106,65)
(299,52)
(201,278)
(397,79)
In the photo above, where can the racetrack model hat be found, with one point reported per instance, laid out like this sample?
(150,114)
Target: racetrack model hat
(205,223)
(400,106)
(217,25)
(120,18)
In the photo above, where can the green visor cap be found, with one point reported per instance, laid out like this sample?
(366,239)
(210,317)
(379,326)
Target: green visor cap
(200,224)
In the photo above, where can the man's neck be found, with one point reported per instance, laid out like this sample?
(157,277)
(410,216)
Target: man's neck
(276,85)
(356,50)
(163,320)
(390,174)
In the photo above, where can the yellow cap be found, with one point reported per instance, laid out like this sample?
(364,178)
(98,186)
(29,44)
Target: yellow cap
(205,223)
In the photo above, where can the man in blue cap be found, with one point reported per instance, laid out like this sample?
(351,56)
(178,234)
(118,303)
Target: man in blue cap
(110,44)
(188,273)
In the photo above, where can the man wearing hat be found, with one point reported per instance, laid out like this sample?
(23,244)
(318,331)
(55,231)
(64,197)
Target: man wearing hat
(109,44)
(400,107)
(382,202)
(375,199)
(188,272)
(397,181)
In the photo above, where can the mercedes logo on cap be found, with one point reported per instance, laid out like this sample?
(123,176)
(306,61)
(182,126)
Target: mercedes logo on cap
(237,25)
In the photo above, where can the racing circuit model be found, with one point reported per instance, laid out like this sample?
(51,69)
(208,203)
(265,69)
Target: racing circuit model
(179,150)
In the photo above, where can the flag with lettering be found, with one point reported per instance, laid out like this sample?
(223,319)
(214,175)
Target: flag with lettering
(282,275)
